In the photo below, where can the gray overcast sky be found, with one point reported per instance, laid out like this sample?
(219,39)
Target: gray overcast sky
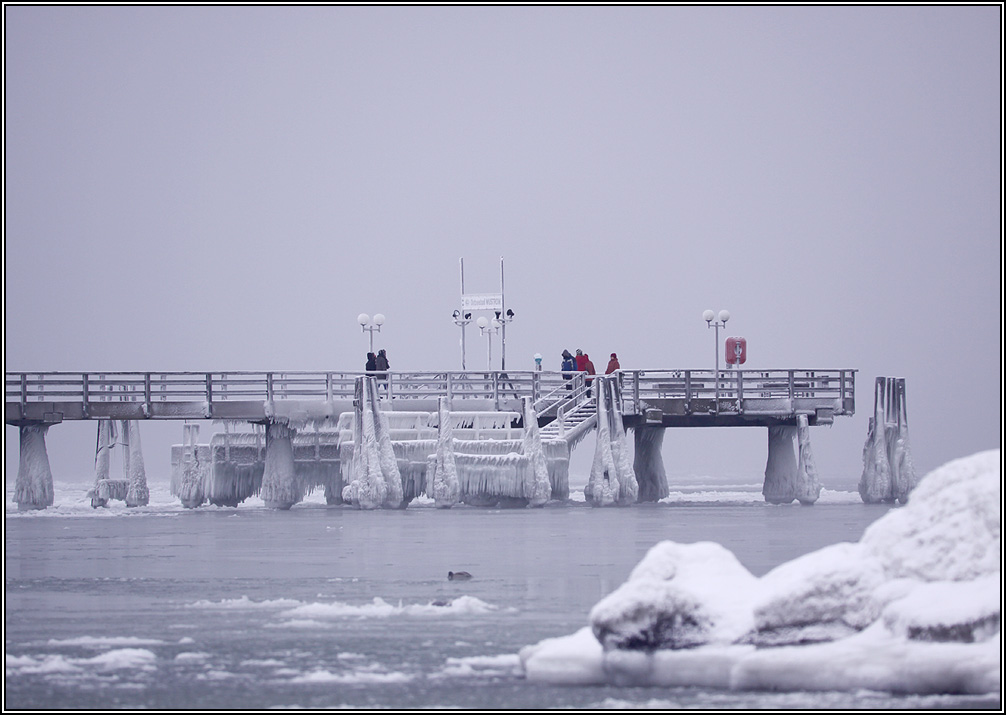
(217,188)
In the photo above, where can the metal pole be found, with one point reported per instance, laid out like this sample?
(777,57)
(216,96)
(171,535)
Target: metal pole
(717,332)
(502,319)
(463,324)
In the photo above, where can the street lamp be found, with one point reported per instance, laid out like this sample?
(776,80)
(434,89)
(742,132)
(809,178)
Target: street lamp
(370,326)
(488,327)
(503,320)
(461,320)
(711,322)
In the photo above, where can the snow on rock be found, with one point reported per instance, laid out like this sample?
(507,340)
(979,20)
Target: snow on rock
(950,529)
(566,660)
(913,607)
(820,596)
(678,596)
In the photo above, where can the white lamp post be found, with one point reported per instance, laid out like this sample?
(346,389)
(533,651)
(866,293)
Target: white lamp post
(488,327)
(370,326)
(711,322)
(461,320)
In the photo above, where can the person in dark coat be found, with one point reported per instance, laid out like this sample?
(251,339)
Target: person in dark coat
(382,365)
(371,363)
(588,367)
(568,367)
(612,364)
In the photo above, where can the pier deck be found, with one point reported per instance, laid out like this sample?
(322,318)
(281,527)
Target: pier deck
(669,398)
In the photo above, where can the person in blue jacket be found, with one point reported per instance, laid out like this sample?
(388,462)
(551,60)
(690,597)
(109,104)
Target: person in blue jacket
(568,367)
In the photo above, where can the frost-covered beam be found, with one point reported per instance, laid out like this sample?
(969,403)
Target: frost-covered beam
(280,489)
(33,488)
(648,463)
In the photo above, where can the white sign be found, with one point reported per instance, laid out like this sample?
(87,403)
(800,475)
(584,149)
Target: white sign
(482,301)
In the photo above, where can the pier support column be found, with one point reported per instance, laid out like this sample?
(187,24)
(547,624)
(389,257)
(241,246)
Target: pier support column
(781,469)
(888,471)
(102,463)
(444,477)
(648,463)
(189,475)
(280,489)
(808,488)
(33,488)
(790,474)
(138,493)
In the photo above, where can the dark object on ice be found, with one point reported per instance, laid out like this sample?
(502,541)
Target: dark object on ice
(458,576)
(441,603)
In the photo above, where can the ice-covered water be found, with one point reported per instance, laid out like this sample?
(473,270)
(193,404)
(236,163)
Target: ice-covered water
(166,608)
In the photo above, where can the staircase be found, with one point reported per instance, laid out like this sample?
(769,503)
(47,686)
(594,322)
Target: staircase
(578,414)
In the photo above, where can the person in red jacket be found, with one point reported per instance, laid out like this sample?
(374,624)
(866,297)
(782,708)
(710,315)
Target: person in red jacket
(612,364)
(589,367)
(581,361)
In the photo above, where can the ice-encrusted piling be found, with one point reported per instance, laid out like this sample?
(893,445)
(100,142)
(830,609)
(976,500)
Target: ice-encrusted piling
(537,486)
(612,479)
(446,490)
(33,488)
(374,479)
(280,489)
(137,494)
(888,470)
(648,463)
(188,476)
(102,463)
(132,488)
(790,472)
(808,487)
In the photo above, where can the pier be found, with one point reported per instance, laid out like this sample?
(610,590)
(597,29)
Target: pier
(291,407)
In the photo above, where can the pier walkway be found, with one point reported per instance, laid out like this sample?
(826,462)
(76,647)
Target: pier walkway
(668,398)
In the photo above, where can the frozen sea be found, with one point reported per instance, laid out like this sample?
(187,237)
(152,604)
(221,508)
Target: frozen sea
(162,607)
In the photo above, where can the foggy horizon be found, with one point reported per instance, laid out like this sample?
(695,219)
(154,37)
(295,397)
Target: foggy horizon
(226,188)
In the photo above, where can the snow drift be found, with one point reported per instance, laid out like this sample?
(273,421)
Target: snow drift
(913,607)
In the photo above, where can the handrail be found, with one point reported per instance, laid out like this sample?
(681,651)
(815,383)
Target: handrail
(549,390)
